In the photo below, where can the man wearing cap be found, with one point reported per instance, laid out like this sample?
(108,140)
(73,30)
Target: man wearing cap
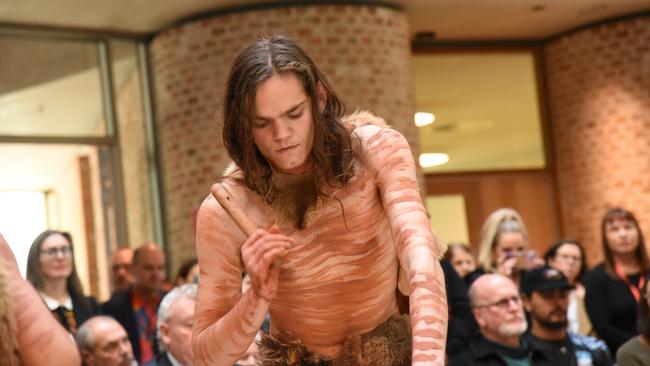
(546,298)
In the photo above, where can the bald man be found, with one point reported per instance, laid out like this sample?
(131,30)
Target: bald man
(499,312)
(104,342)
(136,307)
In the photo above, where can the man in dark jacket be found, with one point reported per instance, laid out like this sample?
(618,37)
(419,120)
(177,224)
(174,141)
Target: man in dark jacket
(462,327)
(135,309)
(546,297)
(498,310)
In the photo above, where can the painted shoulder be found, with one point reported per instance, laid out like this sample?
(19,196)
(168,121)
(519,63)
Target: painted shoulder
(365,124)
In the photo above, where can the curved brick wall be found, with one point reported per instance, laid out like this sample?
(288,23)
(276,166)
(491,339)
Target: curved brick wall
(364,50)
(599,93)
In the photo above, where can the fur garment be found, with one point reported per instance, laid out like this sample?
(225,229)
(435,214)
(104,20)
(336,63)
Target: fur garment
(387,345)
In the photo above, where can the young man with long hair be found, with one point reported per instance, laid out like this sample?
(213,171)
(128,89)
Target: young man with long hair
(339,214)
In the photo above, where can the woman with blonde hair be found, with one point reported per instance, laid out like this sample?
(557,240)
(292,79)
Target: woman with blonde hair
(504,243)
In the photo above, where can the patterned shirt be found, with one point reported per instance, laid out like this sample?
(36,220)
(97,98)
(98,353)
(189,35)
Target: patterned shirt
(145,315)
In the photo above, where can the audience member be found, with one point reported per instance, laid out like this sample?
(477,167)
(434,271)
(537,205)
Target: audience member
(613,288)
(498,310)
(461,257)
(188,272)
(175,321)
(546,298)
(121,269)
(461,327)
(568,256)
(104,342)
(51,270)
(29,334)
(636,351)
(504,244)
(136,307)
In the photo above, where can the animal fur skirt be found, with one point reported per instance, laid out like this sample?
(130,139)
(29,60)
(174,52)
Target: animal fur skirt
(387,345)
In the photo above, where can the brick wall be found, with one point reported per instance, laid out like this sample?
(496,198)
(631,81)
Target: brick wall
(364,50)
(599,94)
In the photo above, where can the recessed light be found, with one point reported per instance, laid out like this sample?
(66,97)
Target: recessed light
(424,118)
(428,160)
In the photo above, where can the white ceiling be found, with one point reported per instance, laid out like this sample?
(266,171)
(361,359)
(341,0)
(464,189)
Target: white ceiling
(449,19)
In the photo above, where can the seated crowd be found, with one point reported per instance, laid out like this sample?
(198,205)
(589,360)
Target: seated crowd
(508,306)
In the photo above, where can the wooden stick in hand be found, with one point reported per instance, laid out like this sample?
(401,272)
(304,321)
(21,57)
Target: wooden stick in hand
(225,199)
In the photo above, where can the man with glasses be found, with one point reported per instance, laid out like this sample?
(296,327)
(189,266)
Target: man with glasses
(121,275)
(546,297)
(498,310)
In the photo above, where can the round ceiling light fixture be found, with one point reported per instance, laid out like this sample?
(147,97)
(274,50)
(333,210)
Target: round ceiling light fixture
(424,118)
(428,160)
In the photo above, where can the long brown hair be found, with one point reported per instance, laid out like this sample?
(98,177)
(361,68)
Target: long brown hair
(35,274)
(618,213)
(331,154)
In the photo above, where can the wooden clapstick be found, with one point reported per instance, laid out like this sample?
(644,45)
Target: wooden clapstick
(226,200)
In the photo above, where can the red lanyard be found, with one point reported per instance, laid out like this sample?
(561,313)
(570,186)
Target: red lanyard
(633,289)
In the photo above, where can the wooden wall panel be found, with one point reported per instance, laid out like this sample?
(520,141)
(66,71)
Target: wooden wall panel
(530,192)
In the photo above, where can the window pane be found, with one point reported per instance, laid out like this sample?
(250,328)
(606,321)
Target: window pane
(50,88)
(486,110)
(133,143)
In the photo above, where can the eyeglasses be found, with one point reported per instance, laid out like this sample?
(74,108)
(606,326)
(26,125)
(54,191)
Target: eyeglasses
(503,303)
(567,258)
(52,252)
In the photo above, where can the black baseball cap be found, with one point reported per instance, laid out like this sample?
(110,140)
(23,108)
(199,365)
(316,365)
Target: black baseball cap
(544,279)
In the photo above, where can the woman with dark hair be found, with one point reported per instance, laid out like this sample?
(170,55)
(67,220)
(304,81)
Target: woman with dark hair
(51,270)
(613,288)
(636,351)
(568,256)
(29,335)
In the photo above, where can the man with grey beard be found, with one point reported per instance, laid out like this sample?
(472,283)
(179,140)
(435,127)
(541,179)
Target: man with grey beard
(546,298)
(499,312)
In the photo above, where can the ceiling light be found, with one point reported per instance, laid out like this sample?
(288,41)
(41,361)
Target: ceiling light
(428,160)
(423,119)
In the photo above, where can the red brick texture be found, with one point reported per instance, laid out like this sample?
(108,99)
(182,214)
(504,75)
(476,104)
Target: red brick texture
(364,50)
(599,96)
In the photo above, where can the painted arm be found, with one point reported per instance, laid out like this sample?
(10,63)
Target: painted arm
(417,247)
(226,321)
(41,339)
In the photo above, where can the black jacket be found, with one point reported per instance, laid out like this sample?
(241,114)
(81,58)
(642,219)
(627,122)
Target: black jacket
(160,360)
(462,327)
(83,307)
(119,307)
(486,353)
